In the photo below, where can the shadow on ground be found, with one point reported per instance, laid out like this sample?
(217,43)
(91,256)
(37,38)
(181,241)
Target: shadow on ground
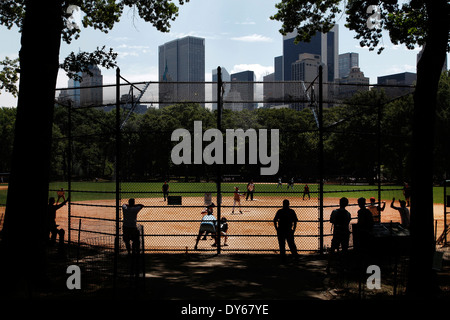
(239,277)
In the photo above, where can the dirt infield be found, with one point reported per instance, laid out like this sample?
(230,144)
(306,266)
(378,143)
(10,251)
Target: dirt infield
(175,228)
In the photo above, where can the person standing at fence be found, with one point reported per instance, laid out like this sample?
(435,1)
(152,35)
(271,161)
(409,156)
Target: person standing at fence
(130,230)
(364,225)
(404,212)
(340,218)
(250,190)
(165,190)
(208,225)
(376,210)
(237,200)
(285,223)
(52,228)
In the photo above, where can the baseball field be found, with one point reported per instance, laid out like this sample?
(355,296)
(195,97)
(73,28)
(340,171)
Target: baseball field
(174,227)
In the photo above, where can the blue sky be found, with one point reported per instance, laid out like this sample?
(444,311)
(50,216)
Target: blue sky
(239,36)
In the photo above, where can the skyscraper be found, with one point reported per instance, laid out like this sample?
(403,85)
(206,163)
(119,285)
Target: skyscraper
(182,60)
(241,94)
(323,44)
(346,62)
(91,92)
(395,83)
(306,69)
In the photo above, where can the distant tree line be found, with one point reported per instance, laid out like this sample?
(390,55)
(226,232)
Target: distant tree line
(354,140)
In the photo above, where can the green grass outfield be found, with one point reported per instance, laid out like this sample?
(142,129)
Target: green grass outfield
(106,190)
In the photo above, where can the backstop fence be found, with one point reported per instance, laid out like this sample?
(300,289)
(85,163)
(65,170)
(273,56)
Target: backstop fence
(244,146)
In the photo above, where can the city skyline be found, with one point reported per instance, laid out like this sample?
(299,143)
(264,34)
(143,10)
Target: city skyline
(238,40)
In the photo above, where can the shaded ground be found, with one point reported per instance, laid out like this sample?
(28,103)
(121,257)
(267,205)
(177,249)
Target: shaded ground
(240,277)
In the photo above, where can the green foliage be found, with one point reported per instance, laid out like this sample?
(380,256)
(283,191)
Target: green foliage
(75,64)
(406,22)
(7,121)
(12,13)
(101,15)
(350,139)
(9,75)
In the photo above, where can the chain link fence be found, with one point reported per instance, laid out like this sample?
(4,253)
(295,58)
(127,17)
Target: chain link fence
(117,142)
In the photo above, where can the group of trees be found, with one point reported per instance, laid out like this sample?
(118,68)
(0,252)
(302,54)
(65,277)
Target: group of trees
(356,133)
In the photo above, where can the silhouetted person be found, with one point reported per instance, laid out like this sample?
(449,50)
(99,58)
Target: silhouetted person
(364,225)
(165,190)
(285,223)
(52,228)
(340,218)
(306,192)
(130,230)
(404,213)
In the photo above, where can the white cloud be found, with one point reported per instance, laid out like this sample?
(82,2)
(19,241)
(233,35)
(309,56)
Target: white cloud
(253,38)
(246,22)
(133,47)
(131,50)
(124,54)
(401,68)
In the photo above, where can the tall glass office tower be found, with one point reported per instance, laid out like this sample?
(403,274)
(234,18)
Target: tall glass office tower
(347,61)
(183,61)
(323,44)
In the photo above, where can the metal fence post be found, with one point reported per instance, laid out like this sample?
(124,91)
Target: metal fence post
(321,235)
(69,172)
(219,174)
(116,241)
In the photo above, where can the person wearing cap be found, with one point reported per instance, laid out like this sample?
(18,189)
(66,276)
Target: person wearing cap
(208,224)
(376,210)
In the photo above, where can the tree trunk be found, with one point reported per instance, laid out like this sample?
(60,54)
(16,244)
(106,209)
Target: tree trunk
(421,282)
(23,232)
